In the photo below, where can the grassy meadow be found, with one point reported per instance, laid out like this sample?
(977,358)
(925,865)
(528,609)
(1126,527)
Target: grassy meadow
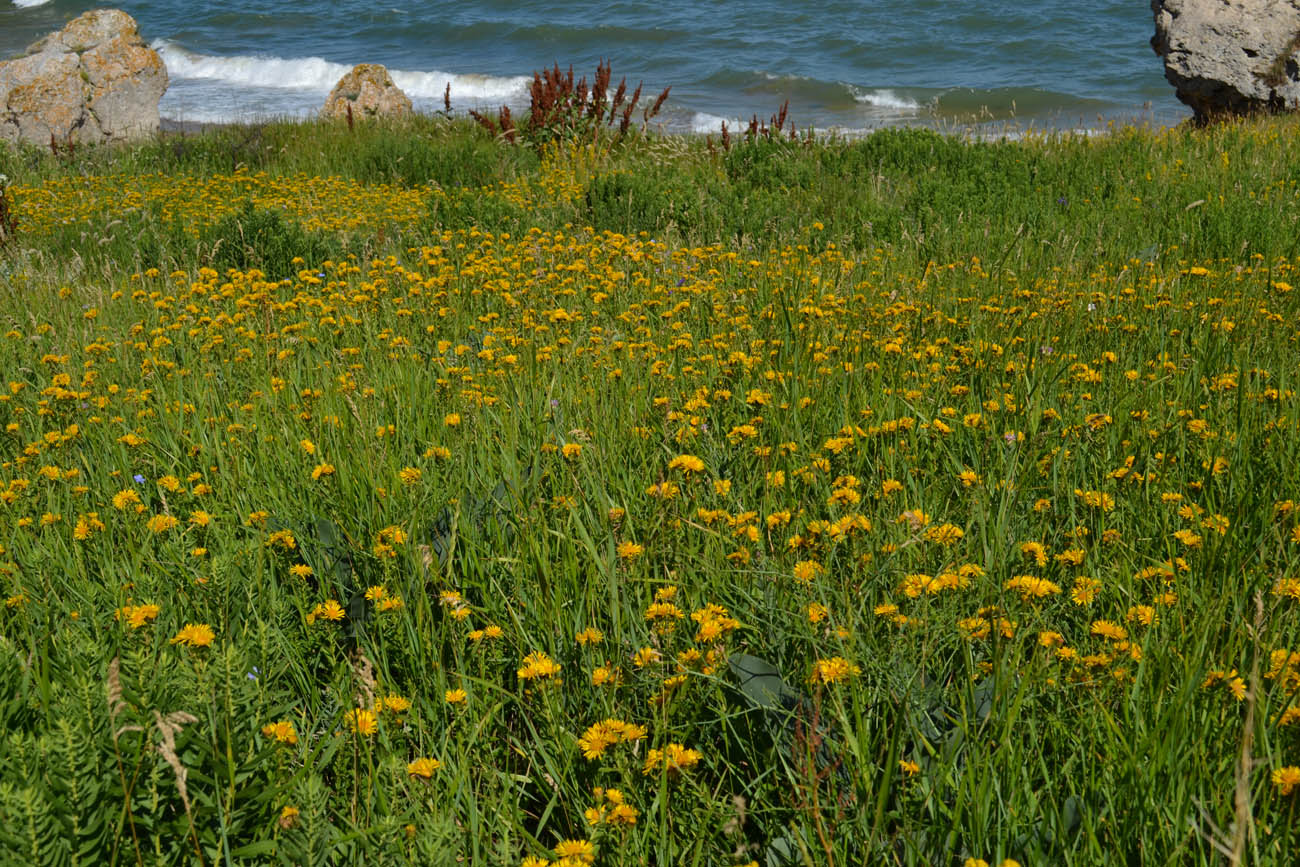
(399,495)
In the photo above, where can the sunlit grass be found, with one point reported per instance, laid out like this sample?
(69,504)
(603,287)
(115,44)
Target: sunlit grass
(486,538)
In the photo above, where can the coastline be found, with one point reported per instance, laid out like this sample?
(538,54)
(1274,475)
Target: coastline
(991,130)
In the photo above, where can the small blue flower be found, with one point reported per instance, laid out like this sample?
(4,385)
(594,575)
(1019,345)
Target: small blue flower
(139,479)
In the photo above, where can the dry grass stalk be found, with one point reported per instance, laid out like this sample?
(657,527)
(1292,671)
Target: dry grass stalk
(168,727)
(1245,815)
(113,683)
(365,672)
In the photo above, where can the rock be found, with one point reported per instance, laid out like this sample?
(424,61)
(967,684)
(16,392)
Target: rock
(370,92)
(1230,57)
(93,81)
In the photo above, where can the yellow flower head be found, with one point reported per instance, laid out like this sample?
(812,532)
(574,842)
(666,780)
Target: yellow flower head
(687,464)
(577,851)
(833,670)
(422,768)
(362,721)
(282,731)
(195,635)
(537,665)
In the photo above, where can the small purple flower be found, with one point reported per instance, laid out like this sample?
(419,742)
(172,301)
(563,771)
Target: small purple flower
(554,403)
(139,479)
(1046,350)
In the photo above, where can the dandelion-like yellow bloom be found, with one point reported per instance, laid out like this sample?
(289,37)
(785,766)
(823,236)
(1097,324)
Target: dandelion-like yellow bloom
(611,809)
(805,571)
(330,610)
(455,696)
(282,731)
(322,470)
(1096,499)
(687,464)
(833,670)
(577,851)
(1108,630)
(362,721)
(944,534)
(663,611)
(629,550)
(195,635)
(590,635)
(596,739)
(422,768)
(137,616)
(673,758)
(163,523)
(646,656)
(538,666)
(1287,588)
(1032,587)
(396,704)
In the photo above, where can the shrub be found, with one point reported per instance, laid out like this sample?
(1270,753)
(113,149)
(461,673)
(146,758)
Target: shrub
(256,238)
(560,110)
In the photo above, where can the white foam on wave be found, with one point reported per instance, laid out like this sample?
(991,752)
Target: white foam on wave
(28,4)
(886,99)
(702,122)
(318,74)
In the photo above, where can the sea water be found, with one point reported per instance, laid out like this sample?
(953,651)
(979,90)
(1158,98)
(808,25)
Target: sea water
(847,66)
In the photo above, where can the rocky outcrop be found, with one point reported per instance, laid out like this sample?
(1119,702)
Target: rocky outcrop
(93,81)
(368,90)
(1230,57)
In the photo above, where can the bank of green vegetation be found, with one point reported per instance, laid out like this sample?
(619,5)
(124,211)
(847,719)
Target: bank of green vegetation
(404,494)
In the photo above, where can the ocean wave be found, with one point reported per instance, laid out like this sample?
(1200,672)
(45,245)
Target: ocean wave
(886,99)
(702,122)
(318,74)
(28,4)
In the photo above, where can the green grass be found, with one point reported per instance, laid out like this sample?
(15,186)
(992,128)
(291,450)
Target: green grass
(460,371)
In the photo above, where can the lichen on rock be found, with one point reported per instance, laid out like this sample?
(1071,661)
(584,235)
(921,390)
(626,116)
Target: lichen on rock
(368,91)
(93,81)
